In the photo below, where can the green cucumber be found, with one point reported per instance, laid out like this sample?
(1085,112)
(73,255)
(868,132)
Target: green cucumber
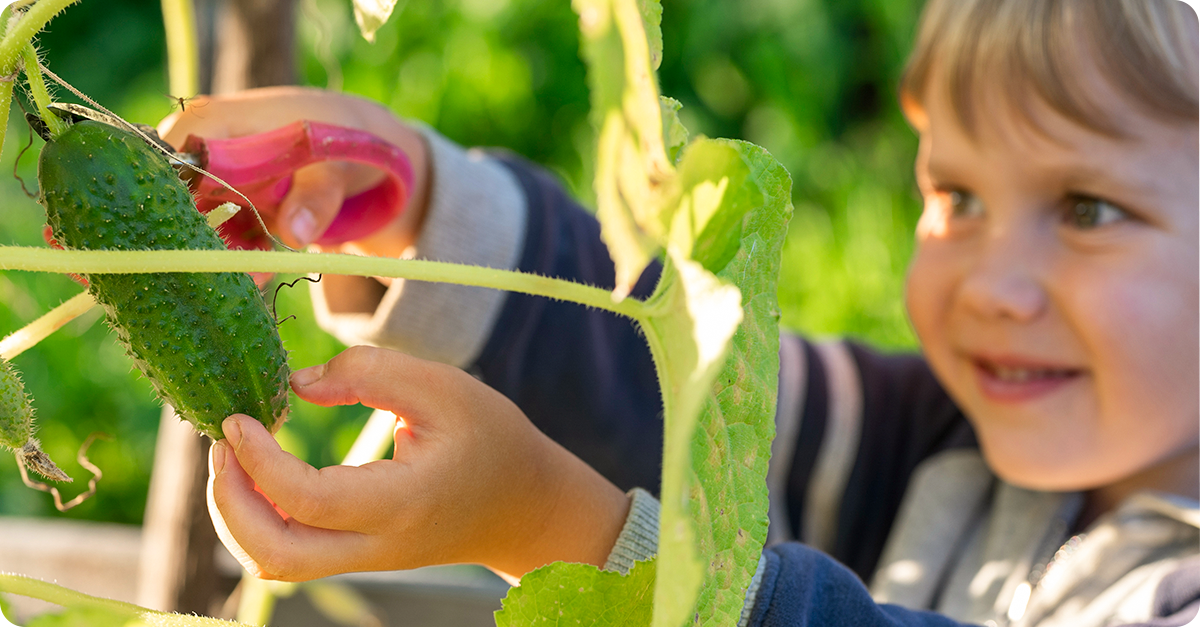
(204,340)
(16,425)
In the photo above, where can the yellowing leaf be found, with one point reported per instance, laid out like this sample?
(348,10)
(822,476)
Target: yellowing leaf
(632,164)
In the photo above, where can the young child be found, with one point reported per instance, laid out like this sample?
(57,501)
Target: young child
(1039,464)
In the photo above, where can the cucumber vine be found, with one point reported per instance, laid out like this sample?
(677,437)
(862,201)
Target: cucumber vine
(713,211)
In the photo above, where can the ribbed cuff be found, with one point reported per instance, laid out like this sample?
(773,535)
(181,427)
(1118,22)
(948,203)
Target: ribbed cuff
(476,216)
(639,536)
(752,592)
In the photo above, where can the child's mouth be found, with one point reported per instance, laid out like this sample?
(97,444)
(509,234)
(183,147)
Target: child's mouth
(1011,382)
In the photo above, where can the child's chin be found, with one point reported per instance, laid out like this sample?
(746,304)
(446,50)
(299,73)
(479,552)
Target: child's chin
(1035,469)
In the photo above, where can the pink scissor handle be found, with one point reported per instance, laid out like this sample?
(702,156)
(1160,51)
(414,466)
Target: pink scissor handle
(261,166)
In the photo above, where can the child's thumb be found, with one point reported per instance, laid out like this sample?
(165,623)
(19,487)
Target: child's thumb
(312,203)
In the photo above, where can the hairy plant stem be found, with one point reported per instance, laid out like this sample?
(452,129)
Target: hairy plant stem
(25,338)
(27,26)
(133,614)
(58,261)
(183,57)
(8,77)
(41,95)
(6,93)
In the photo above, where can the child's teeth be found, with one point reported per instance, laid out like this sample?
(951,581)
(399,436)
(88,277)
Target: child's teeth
(1021,375)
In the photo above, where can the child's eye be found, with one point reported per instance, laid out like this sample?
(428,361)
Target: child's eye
(964,204)
(1089,213)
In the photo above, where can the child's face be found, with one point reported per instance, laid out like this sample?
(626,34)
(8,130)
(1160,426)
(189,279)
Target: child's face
(1056,291)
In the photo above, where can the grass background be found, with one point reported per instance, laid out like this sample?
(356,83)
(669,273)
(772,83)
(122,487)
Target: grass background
(812,81)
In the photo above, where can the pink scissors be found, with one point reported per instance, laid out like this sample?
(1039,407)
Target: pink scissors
(261,166)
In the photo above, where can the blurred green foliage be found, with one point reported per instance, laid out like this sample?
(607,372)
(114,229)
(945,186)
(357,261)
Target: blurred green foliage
(813,81)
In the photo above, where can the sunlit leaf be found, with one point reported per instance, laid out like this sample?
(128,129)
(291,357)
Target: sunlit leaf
(688,337)
(632,163)
(372,14)
(570,594)
(732,448)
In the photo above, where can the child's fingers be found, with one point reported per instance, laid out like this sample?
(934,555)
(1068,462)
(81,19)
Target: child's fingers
(337,498)
(412,388)
(268,545)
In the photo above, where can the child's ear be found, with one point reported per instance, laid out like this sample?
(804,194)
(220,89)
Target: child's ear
(914,111)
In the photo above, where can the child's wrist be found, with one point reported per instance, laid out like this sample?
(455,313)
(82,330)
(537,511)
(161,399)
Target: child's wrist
(570,513)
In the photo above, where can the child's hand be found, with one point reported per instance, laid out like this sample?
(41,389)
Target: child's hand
(472,481)
(317,190)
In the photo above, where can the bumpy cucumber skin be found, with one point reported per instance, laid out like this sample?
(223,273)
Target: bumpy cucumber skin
(204,340)
(16,413)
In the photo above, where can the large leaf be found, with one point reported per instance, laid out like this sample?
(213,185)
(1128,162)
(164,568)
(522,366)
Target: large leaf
(734,205)
(732,447)
(632,163)
(570,594)
(696,315)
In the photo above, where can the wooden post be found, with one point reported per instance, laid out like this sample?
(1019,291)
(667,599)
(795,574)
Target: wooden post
(177,571)
(247,54)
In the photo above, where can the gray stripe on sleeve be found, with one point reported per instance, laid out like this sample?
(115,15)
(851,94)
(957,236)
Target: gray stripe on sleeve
(476,216)
(793,384)
(843,431)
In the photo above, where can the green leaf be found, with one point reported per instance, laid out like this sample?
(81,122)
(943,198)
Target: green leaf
(372,14)
(732,447)
(651,11)
(631,164)
(571,594)
(714,515)
(675,135)
(695,316)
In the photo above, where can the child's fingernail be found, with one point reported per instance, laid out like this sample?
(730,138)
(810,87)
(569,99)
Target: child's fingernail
(304,225)
(233,431)
(308,376)
(219,451)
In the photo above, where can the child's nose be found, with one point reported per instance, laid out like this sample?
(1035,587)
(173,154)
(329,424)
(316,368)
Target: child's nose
(1004,284)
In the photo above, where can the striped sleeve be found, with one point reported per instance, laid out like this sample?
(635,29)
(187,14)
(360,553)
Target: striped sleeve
(852,424)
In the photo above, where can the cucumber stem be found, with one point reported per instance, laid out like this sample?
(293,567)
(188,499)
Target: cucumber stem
(37,89)
(28,336)
(186,261)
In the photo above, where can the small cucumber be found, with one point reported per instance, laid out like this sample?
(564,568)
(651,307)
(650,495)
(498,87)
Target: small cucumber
(204,340)
(16,425)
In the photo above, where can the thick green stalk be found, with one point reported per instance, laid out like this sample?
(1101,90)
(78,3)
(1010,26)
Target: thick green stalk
(37,89)
(132,614)
(21,33)
(183,58)
(57,261)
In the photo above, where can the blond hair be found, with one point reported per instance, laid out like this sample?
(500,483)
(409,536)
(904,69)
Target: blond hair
(1146,49)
